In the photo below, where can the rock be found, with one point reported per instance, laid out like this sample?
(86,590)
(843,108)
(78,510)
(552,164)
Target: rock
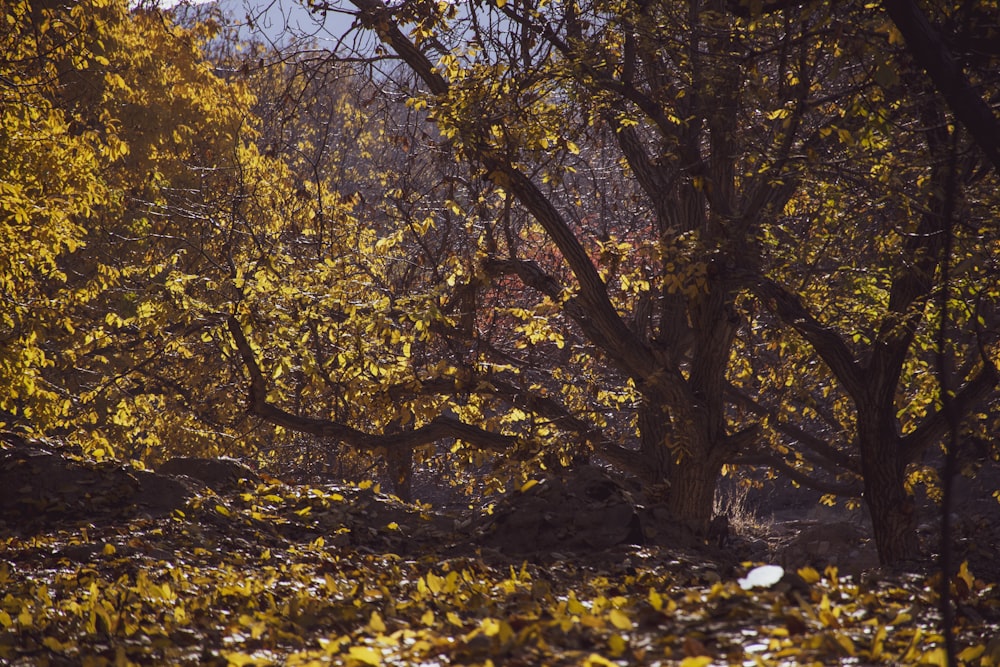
(582,509)
(39,489)
(159,494)
(220,475)
(824,543)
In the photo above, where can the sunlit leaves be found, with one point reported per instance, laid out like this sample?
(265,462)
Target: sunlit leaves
(51,184)
(154,589)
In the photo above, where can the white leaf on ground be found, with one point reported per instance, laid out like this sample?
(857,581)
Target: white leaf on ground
(764,576)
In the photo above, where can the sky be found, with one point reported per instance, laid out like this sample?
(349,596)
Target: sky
(276,19)
(167,4)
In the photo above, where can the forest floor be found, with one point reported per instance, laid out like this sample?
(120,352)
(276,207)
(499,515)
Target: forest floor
(102,565)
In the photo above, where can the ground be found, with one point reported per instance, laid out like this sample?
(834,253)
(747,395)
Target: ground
(100,565)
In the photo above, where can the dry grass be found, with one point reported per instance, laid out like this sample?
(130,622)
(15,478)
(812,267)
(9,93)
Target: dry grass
(733,501)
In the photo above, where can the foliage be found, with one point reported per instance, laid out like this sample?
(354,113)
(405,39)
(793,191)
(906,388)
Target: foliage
(676,237)
(51,184)
(679,241)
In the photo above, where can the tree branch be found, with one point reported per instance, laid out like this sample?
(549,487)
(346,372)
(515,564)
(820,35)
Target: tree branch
(827,342)
(439,428)
(608,330)
(667,380)
(932,54)
(851,490)
(936,426)
(826,456)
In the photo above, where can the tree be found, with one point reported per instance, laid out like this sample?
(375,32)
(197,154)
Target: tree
(51,184)
(867,305)
(625,342)
(716,163)
(930,50)
(877,349)
(163,194)
(641,232)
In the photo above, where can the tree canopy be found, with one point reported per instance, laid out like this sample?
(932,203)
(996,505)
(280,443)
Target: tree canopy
(698,244)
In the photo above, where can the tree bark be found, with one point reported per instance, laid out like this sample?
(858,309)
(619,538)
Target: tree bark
(399,462)
(688,474)
(891,508)
(691,499)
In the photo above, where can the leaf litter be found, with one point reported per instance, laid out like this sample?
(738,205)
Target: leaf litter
(272,574)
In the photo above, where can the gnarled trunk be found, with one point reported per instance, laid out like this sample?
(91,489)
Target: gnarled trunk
(891,508)
(692,492)
(688,477)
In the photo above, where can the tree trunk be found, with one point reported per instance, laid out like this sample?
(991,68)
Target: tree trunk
(687,480)
(691,498)
(891,508)
(399,462)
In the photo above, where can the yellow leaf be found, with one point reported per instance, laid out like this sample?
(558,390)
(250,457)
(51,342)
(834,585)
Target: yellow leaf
(527,485)
(376,623)
(845,642)
(180,616)
(620,619)
(366,655)
(965,575)
(936,656)
(241,659)
(595,660)
(434,583)
(109,549)
(970,653)
(696,661)
(222,510)
(53,644)
(490,626)
(808,575)
(428,618)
